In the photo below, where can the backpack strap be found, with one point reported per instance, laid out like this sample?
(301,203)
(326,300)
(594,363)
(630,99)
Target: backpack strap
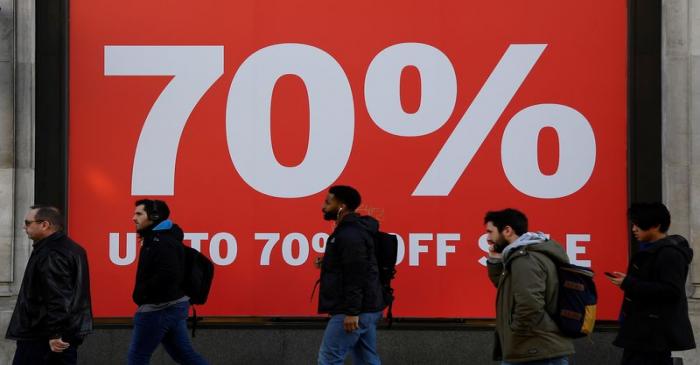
(194,319)
(314,291)
(389,314)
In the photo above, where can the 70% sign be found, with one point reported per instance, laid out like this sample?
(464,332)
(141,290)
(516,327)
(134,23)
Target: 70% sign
(332,121)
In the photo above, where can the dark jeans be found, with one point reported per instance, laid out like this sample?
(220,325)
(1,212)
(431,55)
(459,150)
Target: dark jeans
(167,326)
(630,357)
(38,352)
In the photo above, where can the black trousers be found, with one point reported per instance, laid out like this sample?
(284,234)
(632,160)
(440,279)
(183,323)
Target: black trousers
(631,357)
(38,352)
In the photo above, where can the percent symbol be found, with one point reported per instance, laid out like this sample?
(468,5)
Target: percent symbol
(519,144)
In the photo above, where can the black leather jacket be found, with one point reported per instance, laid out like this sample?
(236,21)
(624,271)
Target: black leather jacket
(54,300)
(349,272)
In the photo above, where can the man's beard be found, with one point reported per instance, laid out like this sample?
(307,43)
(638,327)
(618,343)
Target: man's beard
(330,216)
(141,231)
(500,245)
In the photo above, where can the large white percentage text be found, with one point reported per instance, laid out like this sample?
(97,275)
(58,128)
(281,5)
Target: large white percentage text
(196,68)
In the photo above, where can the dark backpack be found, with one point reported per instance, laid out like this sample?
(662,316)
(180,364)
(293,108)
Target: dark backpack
(576,307)
(385,249)
(199,274)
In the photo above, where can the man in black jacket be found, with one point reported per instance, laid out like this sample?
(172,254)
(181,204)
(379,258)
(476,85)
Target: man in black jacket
(53,312)
(350,290)
(163,307)
(654,317)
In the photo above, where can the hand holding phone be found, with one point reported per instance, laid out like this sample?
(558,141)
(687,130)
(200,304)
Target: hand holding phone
(616,277)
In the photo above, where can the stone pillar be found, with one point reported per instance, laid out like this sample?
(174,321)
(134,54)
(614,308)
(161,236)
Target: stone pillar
(694,135)
(7,121)
(681,136)
(17,40)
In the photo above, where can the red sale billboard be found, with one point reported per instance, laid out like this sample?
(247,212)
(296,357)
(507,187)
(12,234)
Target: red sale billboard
(242,114)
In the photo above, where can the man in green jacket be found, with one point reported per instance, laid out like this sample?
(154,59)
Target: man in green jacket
(521,265)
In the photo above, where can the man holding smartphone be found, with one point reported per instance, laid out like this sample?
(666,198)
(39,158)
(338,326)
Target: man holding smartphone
(654,317)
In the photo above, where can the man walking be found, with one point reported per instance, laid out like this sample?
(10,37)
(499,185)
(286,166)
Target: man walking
(521,265)
(654,317)
(53,312)
(350,290)
(163,307)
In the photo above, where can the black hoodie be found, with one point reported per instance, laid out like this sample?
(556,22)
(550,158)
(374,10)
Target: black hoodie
(655,308)
(349,273)
(161,266)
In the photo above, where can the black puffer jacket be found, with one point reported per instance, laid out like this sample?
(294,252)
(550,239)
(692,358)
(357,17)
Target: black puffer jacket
(54,300)
(161,266)
(655,309)
(349,273)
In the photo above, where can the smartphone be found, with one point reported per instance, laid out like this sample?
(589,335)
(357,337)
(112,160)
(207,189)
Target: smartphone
(609,274)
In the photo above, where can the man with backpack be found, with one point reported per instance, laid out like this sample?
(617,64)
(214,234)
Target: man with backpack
(654,317)
(159,292)
(350,289)
(523,267)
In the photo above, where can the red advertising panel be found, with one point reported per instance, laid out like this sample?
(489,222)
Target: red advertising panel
(242,114)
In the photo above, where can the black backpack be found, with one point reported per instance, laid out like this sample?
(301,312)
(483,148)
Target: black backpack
(576,307)
(198,276)
(199,273)
(385,250)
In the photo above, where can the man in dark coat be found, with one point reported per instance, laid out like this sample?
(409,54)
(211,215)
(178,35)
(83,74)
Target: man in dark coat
(654,316)
(53,312)
(163,307)
(350,290)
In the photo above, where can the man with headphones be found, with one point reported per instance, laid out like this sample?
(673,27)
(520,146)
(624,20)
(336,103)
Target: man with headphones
(350,290)
(163,307)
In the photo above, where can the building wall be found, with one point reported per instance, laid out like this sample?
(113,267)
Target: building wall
(681,134)
(680,174)
(16,151)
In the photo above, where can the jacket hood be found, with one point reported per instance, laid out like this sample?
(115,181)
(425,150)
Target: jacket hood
(367,222)
(527,239)
(174,231)
(678,242)
(552,249)
(165,228)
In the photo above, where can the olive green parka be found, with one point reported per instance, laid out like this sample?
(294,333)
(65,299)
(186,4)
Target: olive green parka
(526,279)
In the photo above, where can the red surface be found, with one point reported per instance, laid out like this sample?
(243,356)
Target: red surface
(583,66)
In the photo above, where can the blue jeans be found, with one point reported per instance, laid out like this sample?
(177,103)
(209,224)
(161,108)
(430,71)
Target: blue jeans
(555,361)
(363,341)
(167,326)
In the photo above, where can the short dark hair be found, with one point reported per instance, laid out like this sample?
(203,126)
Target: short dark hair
(650,215)
(508,217)
(49,213)
(346,195)
(151,206)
